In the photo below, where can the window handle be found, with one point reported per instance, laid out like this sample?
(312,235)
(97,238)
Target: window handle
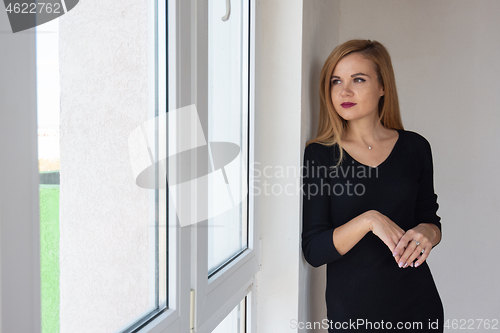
(228,11)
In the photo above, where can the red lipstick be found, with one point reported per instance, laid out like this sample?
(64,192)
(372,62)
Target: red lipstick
(347,105)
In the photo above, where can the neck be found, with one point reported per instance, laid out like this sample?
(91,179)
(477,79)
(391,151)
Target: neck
(365,131)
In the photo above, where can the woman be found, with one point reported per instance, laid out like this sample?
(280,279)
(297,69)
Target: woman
(369,207)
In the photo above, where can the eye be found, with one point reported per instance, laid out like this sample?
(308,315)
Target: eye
(358,80)
(334,82)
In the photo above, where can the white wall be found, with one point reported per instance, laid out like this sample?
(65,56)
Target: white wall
(320,35)
(445,56)
(293,40)
(278,124)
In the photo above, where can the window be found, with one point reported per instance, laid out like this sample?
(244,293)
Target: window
(210,71)
(145,136)
(225,245)
(212,246)
(235,320)
(228,82)
(103,232)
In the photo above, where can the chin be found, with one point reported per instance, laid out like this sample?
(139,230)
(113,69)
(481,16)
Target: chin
(349,116)
(353,115)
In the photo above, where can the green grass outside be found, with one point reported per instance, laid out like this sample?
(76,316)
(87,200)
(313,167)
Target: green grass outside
(49,257)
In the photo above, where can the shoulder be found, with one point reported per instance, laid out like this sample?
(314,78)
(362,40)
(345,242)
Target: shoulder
(414,137)
(318,147)
(416,140)
(321,153)
(418,147)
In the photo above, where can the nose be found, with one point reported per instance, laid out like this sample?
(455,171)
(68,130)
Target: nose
(346,90)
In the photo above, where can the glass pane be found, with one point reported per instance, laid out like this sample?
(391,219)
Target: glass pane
(48,165)
(235,321)
(228,127)
(103,233)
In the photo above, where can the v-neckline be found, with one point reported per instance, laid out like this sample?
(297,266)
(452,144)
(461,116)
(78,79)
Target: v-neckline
(384,161)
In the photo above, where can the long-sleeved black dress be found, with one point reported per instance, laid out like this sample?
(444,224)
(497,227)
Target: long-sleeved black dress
(365,285)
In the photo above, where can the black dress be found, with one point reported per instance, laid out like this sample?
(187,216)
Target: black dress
(366,290)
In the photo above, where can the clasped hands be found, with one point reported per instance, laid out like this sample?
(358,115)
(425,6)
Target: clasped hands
(406,247)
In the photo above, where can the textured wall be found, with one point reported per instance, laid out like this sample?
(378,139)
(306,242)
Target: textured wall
(320,32)
(103,215)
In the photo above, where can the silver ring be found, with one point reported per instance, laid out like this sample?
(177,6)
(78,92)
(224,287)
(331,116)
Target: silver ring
(416,242)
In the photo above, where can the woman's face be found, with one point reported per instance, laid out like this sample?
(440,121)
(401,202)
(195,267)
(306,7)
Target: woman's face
(355,89)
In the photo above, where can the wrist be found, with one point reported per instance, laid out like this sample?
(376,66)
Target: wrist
(433,231)
(437,234)
(368,221)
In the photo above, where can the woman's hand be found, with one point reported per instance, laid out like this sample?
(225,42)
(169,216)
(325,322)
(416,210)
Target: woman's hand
(416,243)
(384,228)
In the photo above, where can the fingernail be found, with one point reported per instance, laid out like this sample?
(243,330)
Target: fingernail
(395,253)
(416,265)
(406,264)
(400,264)
(411,265)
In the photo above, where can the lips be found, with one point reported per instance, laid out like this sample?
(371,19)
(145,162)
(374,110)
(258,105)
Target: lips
(347,105)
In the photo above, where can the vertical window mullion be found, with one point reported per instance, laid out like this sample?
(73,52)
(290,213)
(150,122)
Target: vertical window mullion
(219,291)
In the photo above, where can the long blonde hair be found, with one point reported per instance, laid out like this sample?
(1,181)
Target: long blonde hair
(331,125)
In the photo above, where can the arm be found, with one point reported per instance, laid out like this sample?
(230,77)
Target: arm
(350,233)
(321,243)
(428,232)
(434,233)
(317,231)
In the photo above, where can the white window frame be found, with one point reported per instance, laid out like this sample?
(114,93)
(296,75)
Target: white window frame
(177,317)
(216,297)
(19,201)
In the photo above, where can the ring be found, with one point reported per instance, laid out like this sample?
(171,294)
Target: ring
(416,242)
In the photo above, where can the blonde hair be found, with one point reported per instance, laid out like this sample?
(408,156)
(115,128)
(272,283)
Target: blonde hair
(331,125)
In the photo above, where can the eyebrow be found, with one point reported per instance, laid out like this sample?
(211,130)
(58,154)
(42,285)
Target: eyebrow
(353,75)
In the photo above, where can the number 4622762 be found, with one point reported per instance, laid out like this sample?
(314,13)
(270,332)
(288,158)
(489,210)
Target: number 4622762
(33,8)
(471,324)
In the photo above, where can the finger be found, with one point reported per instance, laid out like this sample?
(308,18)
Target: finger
(391,239)
(400,248)
(403,243)
(390,244)
(423,256)
(420,254)
(412,245)
(414,257)
(416,253)
(397,257)
(395,239)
